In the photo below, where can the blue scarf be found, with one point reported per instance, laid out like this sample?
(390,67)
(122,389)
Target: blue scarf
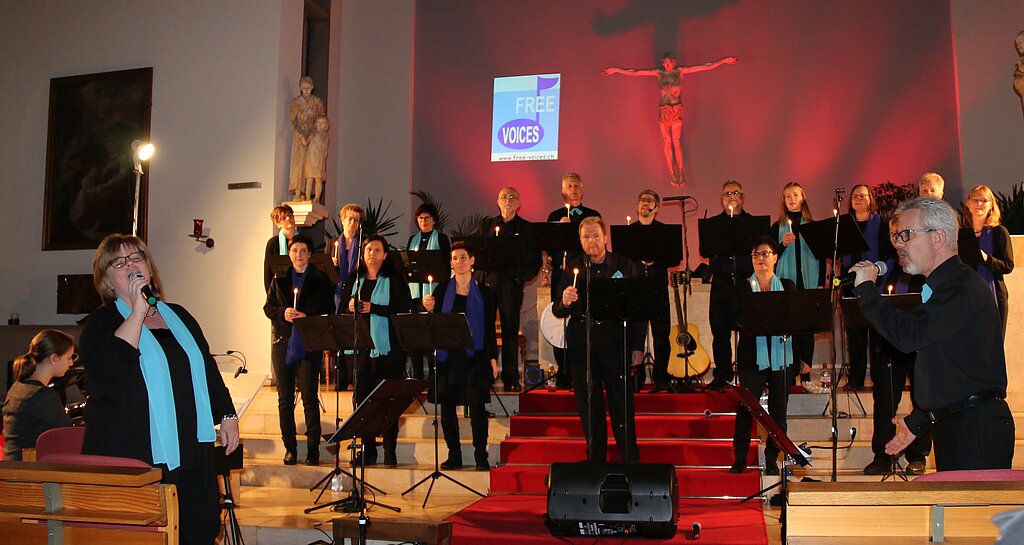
(379,333)
(346,264)
(786,267)
(296,348)
(781,347)
(474,315)
(282,243)
(163,424)
(414,244)
(871,235)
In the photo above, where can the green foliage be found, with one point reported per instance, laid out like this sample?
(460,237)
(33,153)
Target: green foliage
(470,226)
(888,197)
(443,218)
(377,220)
(1012,208)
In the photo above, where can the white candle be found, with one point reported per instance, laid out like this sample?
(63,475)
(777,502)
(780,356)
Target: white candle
(575,273)
(497,229)
(295,298)
(567,209)
(730,210)
(627,220)
(790,226)
(336,247)
(890,289)
(430,280)
(835,213)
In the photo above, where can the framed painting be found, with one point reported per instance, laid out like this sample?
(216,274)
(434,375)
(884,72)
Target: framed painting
(90,177)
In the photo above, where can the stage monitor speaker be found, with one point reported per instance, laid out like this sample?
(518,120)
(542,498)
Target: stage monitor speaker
(590,500)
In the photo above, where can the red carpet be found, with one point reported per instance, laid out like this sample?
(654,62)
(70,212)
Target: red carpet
(693,432)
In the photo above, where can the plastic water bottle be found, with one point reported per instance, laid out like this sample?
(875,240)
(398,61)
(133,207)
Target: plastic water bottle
(826,380)
(337,484)
(551,377)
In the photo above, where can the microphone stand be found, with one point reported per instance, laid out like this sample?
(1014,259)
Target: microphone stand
(835,310)
(588,323)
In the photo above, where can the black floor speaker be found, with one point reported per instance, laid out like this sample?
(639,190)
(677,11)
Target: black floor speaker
(628,500)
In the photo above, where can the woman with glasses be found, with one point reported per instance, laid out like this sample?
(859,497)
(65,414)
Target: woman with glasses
(155,393)
(797,262)
(31,407)
(864,212)
(464,377)
(763,361)
(989,250)
(429,237)
(377,290)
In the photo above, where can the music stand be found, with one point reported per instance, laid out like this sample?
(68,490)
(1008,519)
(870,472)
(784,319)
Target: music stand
(493,253)
(279,265)
(378,412)
(335,332)
(416,265)
(430,332)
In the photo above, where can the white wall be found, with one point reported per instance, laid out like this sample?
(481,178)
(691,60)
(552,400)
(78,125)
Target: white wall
(991,120)
(224,73)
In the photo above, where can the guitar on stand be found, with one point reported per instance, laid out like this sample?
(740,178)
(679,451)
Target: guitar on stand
(688,360)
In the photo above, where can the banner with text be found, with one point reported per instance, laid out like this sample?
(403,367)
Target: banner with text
(525,120)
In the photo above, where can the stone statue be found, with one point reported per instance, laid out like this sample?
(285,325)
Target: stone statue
(314,168)
(303,113)
(670,118)
(1018,70)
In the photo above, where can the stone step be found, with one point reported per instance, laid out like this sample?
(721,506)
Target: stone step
(411,425)
(269,448)
(266,401)
(393,481)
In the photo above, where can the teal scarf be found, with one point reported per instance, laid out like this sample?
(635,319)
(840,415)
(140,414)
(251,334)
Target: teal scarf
(282,243)
(378,324)
(786,267)
(414,244)
(781,347)
(163,424)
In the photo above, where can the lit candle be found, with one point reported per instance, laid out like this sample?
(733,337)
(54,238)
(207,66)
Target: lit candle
(497,229)
(627,220)
(430,280)
(890,289)
(336,247)
(730,210)
(567,209)
(295,298)
(835,213)
(575,273)
(790,226)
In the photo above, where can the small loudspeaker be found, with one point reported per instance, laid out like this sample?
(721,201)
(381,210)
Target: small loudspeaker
(636,500)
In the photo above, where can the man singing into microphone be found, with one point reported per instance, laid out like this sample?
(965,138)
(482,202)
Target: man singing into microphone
(608,362)
(960,370)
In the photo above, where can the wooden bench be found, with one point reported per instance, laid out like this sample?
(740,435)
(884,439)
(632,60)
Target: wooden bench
(900,512)
(62,503)
(413,531)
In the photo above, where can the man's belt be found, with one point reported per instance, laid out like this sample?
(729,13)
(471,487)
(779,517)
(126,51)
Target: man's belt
(971,401)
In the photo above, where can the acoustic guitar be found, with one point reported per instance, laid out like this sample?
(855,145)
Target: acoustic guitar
(688,358)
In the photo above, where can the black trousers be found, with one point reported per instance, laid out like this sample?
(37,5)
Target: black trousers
(306,371)
(754,381)
(607,377)
(723,322)
(888,376)
(462,380)
(198,497)
(662,347)
(368,373)
(858,342)
(981,437)
(509,295)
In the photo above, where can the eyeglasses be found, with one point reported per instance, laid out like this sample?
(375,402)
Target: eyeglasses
(977,200)
(860,197)
(761,255)
(904,235)
(74,357)
(731,193)
(508,197)
(123,261)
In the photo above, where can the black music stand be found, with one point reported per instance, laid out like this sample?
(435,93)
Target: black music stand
(335,333)
(493,253)
(430,332)
(732,237)
(279,265)
(416,265)
(378,412)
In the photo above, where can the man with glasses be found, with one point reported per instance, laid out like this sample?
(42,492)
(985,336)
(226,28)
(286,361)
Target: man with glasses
(507,284)
(647,207)
(961,366)
(726,271)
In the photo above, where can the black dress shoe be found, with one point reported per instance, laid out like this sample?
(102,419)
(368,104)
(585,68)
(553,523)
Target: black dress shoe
(312,459)
(371,460)
(738,467)
(483,465)
(390,458)
(878,466)
(289,458)
(916,467)
(771,467)
(451,464)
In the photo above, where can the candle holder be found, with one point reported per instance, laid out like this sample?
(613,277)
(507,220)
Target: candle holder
(197,233)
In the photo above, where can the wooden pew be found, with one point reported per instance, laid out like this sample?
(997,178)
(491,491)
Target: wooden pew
(61,503)
(898,513)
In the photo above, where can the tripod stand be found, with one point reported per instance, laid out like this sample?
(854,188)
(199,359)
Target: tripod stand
(430,332)
(226,463)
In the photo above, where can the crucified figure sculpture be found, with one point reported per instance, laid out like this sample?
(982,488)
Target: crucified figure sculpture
(670,116)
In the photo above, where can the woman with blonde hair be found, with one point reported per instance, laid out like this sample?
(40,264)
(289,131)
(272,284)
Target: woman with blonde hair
(31,407)
(989,251)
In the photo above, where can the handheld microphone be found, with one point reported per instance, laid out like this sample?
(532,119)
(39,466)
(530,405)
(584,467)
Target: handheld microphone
(680,198)
(849,277)
(150,298)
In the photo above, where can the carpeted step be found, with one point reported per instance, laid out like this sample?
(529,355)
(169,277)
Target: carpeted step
(519,520)
(515,479)
(647,426)
(562,401)
(682,452)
